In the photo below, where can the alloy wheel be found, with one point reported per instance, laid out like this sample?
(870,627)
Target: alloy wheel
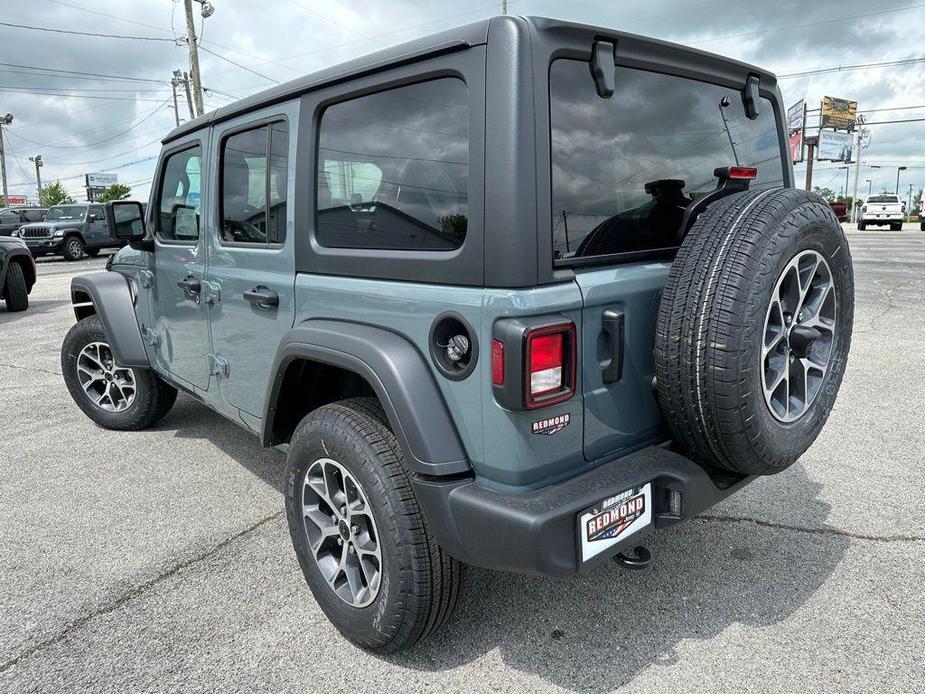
(109,386)
(342,532)
(799,331)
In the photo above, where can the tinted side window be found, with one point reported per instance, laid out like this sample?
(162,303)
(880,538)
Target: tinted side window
(9,217)
(393,169)
(35,215)
(179,198)
(98,211)
(624,169)
(254,173)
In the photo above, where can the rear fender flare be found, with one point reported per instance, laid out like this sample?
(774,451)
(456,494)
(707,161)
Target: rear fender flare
(400,378)
(112,301)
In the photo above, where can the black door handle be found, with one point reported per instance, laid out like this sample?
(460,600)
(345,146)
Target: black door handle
(261,297)
(190,285)
(613,322)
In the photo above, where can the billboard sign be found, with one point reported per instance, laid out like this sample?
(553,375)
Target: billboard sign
(795,116)
(834,145)
(838,113)
(101,180)
(796,146)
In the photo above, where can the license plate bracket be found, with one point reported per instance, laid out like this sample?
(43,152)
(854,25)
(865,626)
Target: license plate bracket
(613,519)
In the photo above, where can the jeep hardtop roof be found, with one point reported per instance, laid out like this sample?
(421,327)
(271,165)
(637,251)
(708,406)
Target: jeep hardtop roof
(681,58)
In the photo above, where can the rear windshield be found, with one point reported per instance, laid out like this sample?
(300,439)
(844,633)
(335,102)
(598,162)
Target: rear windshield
(625,168)
(883,198)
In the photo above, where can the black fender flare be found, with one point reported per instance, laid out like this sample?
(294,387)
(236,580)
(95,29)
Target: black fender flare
(112,301)
(398,375)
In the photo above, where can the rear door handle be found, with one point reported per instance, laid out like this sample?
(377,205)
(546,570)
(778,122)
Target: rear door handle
(190,285)
(613,324)
(262,297)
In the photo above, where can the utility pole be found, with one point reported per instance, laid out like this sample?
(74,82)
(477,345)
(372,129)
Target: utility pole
(503,6)
(909,203)
(37,160)
(862,133)
(189,98)
(810,156)
(193,57)
(174,81)
(5,120)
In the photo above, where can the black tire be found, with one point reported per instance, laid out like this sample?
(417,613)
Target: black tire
(15,289)
(421,585)
(153,397)
(711,326)
(921,226)
(92,252)
(862,226)
(896,227)
(72,248)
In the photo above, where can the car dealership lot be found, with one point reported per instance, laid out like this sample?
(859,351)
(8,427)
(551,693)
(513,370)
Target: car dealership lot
(160,560)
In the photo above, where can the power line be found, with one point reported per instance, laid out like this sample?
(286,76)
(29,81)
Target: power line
(329,20)
(110,16)
(243,67)
(809,24)
(85,33)
(845,68)
(75,96)
(83,73)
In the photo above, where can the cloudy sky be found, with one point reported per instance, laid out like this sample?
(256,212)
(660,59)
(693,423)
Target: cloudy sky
(91,104)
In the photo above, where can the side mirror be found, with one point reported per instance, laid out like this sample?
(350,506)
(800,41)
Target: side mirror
(126,220)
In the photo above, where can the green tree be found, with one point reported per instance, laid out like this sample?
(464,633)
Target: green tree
(55,194)
(829,194)
(117,191)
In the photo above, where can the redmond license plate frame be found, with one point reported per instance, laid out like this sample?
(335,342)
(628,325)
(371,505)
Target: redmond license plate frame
(612,520)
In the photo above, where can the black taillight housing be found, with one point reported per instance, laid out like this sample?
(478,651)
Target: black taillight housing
(534,361)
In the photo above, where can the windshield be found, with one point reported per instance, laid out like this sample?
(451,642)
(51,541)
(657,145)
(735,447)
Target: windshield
(884,198)
(66,213)
(624,169)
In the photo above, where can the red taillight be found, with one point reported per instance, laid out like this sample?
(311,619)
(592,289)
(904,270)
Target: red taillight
(748,173)
(497,363)
(550,365)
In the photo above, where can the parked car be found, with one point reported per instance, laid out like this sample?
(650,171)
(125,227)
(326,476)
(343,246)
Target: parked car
(17,273)
(12,218)
(490,296)
(840,209)
(71,231)
(882,210)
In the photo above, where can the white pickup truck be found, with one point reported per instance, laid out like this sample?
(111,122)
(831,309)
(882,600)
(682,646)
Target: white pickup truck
(880,210)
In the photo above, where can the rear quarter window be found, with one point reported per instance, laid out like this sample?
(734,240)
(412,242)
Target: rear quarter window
(624,169)
(393,169)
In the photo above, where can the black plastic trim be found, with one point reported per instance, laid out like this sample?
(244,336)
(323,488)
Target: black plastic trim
(112,300)
(471,335)
(396,372)
(536,533)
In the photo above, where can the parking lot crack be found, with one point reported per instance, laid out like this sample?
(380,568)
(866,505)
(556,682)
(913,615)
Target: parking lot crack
(135,591)
(30,368)
(835,532)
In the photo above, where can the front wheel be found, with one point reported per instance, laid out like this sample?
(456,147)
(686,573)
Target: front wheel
(73,248)
(113,396)
(367,554)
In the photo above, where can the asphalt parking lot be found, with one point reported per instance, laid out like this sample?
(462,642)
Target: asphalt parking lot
(160,560)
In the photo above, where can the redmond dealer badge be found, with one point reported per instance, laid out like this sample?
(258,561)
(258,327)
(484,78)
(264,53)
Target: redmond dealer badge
(551,425)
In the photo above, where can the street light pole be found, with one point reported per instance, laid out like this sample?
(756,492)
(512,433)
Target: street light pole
(898,169)
(4,120)
(37,160)
(869,184)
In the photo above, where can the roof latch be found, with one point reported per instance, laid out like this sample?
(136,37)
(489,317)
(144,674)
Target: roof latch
(603,68)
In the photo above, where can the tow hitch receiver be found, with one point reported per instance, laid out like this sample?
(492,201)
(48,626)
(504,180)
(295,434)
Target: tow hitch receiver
(639,559)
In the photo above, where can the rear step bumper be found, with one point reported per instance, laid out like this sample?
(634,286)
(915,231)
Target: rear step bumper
(536,533)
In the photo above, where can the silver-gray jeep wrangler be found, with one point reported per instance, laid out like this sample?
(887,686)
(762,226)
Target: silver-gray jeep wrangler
(513,295)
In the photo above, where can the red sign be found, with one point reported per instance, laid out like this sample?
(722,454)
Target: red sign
(796,147)
(16,200)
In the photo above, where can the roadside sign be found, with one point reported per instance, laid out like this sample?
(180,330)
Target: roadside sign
(835,145)
(796,146)
(101,180)
(838,113)
(795,116)
(16,200)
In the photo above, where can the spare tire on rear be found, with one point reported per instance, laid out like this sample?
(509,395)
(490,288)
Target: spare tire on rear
(753,330)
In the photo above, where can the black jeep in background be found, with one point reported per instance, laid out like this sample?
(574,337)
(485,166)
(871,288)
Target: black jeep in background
(11,218)
(71,231)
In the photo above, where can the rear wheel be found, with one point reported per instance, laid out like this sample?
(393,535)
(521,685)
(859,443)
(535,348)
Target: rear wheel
(92,252)
(73,248)
(861,225)
(113,396)
(754,328)
(15,289)
(898,226)
(364,547)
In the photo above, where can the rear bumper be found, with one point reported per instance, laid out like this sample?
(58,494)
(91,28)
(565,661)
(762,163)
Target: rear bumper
(536,533)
